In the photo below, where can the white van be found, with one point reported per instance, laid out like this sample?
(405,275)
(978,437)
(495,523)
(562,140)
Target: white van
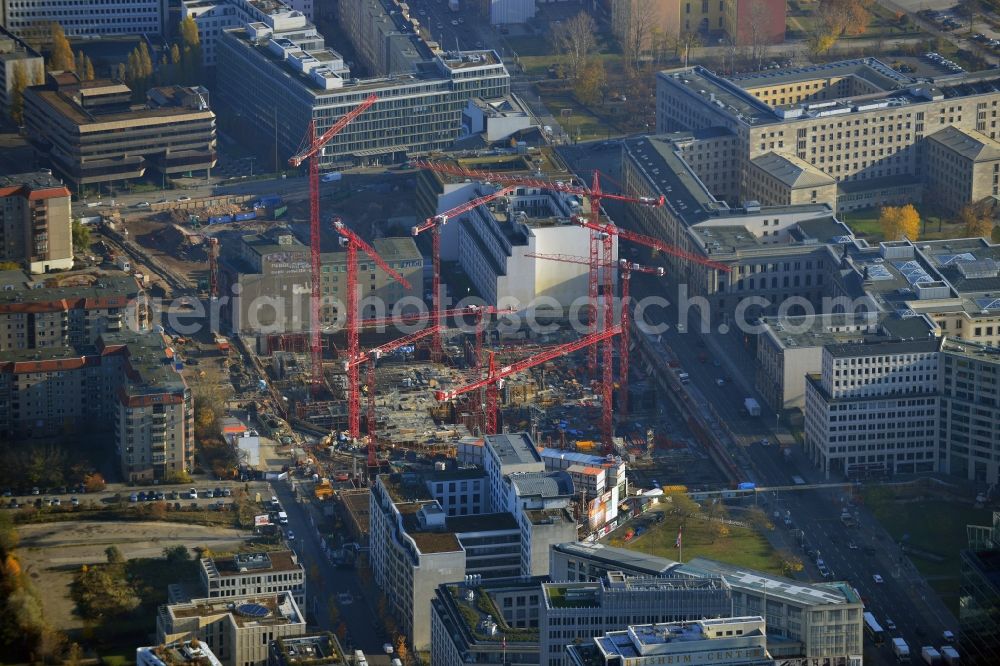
(282,518)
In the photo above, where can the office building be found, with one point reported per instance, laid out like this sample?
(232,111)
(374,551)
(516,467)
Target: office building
(502,249)
(239,630)
(501,12)
(815,620)
(489,623)
(784,180)
(878,133)
(774,253)
(36,228)
(84,18)
(269,276)
(969,411)
(385,35)
(426,530)
(979,595)
(69,122)
(963,166)
(313,649)
(17,58)
(274,72)
(873,408)
(501,246)
(731,641)
(182,653)
(744,22)
(214,17)
(575,612)
(254,573)
(790,348)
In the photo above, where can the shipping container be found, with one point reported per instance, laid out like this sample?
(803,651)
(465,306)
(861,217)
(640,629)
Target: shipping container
(249,215)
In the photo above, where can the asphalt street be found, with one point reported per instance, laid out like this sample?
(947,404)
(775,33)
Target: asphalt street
(904,596)
(328,586)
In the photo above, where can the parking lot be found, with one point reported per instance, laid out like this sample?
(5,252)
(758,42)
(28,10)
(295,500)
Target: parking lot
(206,495)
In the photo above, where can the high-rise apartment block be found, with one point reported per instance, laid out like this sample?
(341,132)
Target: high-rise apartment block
(36,228)
(77,359)
(70,122)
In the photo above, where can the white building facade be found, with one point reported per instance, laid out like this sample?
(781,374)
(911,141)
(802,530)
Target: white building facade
(874,408)
(78,18)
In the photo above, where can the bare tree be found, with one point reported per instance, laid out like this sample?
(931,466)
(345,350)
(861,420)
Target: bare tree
(635,22)
(683,44)
(577,39)
(757,27)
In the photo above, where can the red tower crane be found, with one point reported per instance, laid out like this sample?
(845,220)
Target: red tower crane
(434,224)
(595,193)
(626,267)
(353,243)
(213,267)
(312,152)
(609,230)
(371,356)
(495,376)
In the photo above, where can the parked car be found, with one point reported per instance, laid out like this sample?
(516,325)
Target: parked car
(133,498)
(184,198)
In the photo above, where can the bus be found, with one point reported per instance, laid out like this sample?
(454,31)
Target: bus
(874,630)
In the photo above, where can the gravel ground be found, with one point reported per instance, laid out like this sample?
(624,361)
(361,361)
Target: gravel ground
(52,553)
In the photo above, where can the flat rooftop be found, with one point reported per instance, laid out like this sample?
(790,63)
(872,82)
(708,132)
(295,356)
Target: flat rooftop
(873,345)
(514,448)
(733,99)
(269,562)
(20,292)
(182,653)
(615,559)
(778,587)
(29,182)
(473,619)
(248,611)
(681,637)
(542,484)
(840,329)
(314,650)
(872,70)
(972,350)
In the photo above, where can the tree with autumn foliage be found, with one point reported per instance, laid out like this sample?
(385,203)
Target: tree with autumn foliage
(976,221)
(62,58)
(898,222)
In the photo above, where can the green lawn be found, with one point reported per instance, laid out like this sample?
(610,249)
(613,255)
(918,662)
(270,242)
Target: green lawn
(932,525)
(864,223)
(743,547)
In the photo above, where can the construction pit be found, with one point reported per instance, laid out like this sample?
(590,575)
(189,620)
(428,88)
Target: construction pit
(556,401)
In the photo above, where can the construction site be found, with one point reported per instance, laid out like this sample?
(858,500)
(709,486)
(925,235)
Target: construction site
(422,382)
